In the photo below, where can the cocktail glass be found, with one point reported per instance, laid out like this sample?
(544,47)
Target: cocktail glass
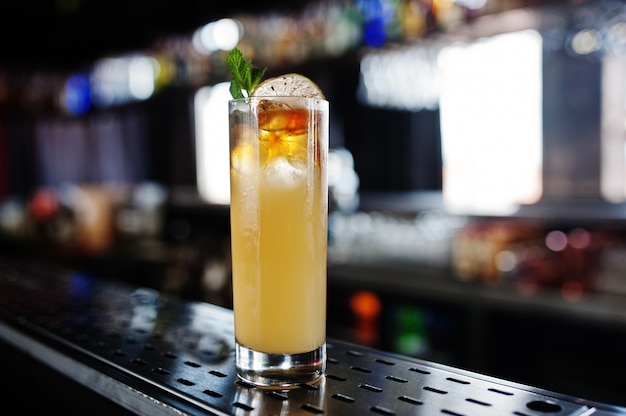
(279,214)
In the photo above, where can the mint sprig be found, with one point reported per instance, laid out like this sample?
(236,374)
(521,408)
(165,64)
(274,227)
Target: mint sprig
(244,76)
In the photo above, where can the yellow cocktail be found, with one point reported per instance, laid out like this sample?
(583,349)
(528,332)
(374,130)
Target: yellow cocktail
(279,211)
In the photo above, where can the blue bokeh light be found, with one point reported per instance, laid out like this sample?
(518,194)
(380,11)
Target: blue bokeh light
(77,94)
(376,14)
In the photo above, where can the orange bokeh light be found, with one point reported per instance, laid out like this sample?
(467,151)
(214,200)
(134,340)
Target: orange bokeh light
(365,305)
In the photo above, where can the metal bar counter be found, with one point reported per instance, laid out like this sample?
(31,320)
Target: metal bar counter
(159,356)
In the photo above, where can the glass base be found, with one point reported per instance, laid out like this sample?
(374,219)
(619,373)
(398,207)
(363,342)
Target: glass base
(279,370)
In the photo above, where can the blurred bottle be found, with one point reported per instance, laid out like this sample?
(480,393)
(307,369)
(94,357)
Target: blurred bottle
(343,181)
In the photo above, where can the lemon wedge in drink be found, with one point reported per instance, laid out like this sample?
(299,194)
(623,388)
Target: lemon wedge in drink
(288,85)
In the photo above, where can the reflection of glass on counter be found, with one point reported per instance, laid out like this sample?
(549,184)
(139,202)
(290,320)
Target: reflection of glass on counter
(253,401)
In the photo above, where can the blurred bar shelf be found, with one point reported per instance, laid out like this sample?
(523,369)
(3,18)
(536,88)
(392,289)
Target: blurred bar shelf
(428,283)
(585,211)
(154,355)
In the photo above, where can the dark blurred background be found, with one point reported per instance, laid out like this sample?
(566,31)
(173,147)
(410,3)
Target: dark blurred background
(478,172)
(66,33)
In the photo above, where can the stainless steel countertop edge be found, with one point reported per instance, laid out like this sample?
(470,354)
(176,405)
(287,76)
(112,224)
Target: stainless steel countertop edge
(112,388)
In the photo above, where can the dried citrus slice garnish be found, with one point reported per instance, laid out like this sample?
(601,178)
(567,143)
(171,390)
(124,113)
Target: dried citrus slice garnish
(288,85)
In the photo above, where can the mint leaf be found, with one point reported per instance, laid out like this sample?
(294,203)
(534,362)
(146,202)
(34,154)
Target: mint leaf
(244,77)
(256,76)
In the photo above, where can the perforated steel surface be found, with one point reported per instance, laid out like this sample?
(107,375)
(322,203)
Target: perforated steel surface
(158,356)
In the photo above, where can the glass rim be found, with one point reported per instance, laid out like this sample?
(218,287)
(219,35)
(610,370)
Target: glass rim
(277,97)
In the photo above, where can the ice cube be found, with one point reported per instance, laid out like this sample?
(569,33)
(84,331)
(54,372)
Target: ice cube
(242,158)
(284,171)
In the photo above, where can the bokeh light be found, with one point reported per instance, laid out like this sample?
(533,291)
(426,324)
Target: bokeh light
(77,94)
(223,34)
(365,305)
(556,240)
